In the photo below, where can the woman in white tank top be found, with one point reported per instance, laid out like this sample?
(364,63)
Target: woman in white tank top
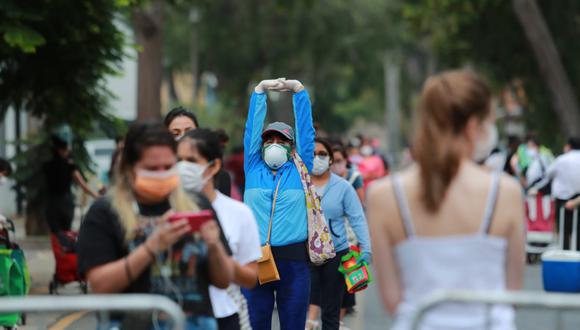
(447,223)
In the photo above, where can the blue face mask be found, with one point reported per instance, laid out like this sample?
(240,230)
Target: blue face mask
(275,155)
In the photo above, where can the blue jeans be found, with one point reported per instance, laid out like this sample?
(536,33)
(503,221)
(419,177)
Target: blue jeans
(292,294)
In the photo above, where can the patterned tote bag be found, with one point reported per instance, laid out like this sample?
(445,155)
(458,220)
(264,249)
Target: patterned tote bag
(320,244)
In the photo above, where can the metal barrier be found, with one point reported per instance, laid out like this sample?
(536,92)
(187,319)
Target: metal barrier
(553,301)
(98,303)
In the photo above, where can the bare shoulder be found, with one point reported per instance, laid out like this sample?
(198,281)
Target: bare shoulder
(510,188)
(381,195)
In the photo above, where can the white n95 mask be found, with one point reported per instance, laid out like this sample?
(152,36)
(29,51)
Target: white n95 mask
(275,155)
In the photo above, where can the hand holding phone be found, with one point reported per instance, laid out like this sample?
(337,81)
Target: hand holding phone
(195,219)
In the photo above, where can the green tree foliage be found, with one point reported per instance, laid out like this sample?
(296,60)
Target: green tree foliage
(487,35)
(335,47)
(53,58)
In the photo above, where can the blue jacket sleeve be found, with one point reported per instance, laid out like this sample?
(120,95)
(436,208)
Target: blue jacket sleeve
(304,128)
(356,217)
(253,132)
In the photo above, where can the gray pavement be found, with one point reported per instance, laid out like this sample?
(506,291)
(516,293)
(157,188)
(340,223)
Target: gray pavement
(370,313)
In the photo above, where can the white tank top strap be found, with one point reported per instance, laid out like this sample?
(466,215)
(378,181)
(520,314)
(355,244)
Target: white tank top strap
(403,205)
(491,202)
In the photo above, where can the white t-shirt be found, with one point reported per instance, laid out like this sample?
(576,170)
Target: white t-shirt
(241,231)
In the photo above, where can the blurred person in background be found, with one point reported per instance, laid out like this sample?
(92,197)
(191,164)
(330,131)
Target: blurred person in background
(235,165)
(339,203)
(200,158)
(447,223)
(128,245)
(60,173)
(269,168)
(342,167)
(563,175)
(372,166)
(513,144)
(353,150)
(531,161)
(5,171)
(180,121)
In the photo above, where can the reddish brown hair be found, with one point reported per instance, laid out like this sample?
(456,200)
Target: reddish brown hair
(448,101)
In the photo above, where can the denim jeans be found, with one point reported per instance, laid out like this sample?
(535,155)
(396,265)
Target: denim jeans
(291,293)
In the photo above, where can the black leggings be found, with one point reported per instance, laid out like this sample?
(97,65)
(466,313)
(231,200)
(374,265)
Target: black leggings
(231,322)
(59,212)
(327,291)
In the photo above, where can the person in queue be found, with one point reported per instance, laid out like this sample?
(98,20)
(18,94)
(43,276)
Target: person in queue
(563,177)
(128,245)
(447,223)
(342,167)
(180,121)
(268,164)
(200,158)
(60,173)
(339,202)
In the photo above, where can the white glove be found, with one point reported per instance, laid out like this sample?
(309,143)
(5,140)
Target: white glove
(270,84)
(294,86)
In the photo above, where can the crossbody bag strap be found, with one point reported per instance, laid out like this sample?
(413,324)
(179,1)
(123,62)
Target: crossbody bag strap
(273,210)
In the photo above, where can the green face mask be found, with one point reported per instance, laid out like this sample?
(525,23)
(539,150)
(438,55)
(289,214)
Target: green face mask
(275,155)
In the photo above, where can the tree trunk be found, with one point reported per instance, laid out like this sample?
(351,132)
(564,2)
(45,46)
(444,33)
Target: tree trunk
(173,96)
(552,70)
(148,26)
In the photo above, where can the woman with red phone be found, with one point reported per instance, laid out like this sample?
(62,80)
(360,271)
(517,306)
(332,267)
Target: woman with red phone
(127,244)
(200,160)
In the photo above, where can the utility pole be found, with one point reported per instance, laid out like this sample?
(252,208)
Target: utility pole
(194,53)
(392,76)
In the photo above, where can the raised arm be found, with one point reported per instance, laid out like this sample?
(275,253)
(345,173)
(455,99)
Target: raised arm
(255,122)
(303,122)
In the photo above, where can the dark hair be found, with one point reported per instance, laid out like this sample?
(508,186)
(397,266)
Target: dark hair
(222,135)
(58,143)
(574,142)
(179,112)
(533,137)
(142,135)
(5,167)
(207,143)
(340,148)
(327,146)
(448,101)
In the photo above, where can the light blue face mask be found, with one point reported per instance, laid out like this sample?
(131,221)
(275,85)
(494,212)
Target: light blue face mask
(275,155)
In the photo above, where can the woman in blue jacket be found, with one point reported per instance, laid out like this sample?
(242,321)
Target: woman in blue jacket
(340,202)
(268,161)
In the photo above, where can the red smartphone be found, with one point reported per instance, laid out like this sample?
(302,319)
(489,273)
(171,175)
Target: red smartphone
(196,219)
